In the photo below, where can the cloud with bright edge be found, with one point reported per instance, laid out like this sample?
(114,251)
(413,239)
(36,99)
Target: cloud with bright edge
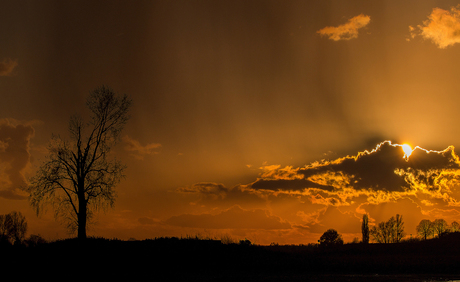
(7,66)
(139,151)
(442,27)
(347,187)
(347,31)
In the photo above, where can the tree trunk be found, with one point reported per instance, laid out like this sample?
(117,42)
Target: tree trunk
(81,217)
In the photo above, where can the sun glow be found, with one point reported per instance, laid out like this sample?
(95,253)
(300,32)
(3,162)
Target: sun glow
(407,150)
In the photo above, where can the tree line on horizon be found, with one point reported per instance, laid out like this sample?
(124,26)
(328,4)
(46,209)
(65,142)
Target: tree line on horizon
(429,229)
(391,231)
(13,228)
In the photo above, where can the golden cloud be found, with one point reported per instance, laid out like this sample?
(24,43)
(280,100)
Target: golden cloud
(275,172)
(442,27)
(346,31)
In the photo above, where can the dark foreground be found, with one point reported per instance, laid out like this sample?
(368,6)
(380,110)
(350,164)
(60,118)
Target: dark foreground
(209,260)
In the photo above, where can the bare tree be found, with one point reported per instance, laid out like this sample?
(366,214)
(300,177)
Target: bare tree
(440,226)
(454,226)
(18,227)
(380,232)
(398,229)
(5,223)
(79,177)
(376,233)
(425,228)
(365,228)
(13,227)
(391,231)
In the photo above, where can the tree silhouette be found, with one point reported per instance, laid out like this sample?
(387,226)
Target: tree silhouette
(391,231)
(424,228)
(398,229)
(379,233)
(330,238)
(365,229)
(440,226)
(13,227)
(78,177)
(454,226)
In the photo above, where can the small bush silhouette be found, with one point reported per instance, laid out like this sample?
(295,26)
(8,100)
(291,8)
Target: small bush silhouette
(245,242)
(331,238)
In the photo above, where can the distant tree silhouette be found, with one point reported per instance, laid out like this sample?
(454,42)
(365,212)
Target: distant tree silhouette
(365,229)
(379,233)
(35,240)
(78,177)
(245,242)
(330,238)
(391,231)
(398,229)
(13,227)
(454,226)
(424,228)
(440,226)
(5,224)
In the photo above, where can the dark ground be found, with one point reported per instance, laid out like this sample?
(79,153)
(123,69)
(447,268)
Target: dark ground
(175,259)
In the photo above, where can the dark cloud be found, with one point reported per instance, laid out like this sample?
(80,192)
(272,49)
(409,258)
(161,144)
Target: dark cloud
(287,184)
(233,218)
(14,158)
(374,169)
(334,193)
(7,66)
(205,188)
(217,195)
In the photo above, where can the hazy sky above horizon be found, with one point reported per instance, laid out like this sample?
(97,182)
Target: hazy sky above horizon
(244,112)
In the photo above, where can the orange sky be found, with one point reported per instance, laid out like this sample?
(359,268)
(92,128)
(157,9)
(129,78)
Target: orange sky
(250,118)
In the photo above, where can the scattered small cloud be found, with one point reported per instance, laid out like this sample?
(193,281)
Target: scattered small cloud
(442,27)
(139,151)
(347,31)
(7,66)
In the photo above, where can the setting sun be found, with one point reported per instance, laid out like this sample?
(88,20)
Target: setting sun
(407,150)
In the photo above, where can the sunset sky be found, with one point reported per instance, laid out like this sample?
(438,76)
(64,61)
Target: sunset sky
(267,120)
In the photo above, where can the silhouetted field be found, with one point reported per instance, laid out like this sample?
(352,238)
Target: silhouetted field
(175,259)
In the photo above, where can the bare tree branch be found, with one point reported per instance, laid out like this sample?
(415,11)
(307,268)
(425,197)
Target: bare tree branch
(78,176)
